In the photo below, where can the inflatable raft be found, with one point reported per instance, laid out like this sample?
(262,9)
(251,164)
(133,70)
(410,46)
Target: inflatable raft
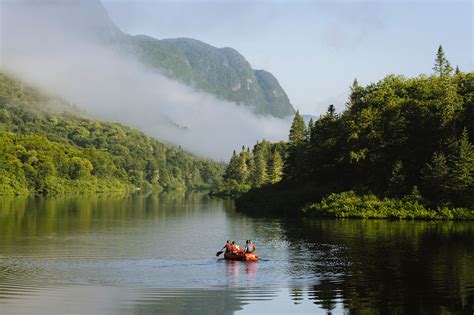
(241,256)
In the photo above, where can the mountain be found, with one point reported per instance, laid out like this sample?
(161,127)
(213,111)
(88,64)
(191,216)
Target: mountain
(223,72)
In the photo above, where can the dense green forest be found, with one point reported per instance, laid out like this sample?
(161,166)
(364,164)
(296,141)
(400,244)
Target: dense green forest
(48,147)
(261,166)
(402,147)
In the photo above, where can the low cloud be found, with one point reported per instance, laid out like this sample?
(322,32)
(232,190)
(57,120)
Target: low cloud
(116,87)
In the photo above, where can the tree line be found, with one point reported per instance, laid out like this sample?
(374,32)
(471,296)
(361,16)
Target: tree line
(260,166)
(399,138)
(47,147)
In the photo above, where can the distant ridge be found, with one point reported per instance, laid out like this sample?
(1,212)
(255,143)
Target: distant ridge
(223,72)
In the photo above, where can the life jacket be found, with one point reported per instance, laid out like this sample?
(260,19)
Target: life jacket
(253,248)
(234,248)
(228,247)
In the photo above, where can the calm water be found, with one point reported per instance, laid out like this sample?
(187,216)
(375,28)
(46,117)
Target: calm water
(157,254)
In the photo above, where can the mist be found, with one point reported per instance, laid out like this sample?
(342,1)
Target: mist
(50,45)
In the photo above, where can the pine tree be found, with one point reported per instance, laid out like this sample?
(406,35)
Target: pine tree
(457,71)
(276,168)
(243,172)
(442,67)
(397,182)
(462,174)
(297,130)
(294,162)
(435,178)
(309,129)
(331,110)
(260,173)
(231,172)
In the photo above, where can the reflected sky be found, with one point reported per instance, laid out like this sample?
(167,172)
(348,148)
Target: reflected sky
(114,255)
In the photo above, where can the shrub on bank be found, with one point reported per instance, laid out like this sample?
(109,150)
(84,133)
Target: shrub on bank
(350,205)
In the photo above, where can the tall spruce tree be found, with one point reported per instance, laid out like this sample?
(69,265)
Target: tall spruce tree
(276,168)
(297,131)
(462,174)
(442,67)
(397,182)
(435,178)
(260,173)
(294,162)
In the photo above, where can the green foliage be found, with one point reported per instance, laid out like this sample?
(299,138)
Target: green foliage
(276,168)
(297,131)
(442,67)
(51,152)
(262,166)
(350,205)
(406,138)
(397,184)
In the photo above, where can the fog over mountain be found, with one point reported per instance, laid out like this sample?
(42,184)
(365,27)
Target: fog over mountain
(69,48)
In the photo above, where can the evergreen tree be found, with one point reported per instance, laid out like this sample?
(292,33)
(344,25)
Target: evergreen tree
(462,174)
(435,178)
(295,160)
(457,71)
(397,182)
(308,130)
(243,171)
(260,173)
(232,170)
(331,110)
(276,168)
(297,130)
(442,67)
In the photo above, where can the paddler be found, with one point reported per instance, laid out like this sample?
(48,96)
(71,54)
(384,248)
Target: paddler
(228,247)
(249,247)
(235,248)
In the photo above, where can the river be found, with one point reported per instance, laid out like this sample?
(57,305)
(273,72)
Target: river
(156,254)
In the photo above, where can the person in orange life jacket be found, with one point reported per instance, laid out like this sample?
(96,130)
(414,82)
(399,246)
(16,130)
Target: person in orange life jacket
(227,247)
(235,248)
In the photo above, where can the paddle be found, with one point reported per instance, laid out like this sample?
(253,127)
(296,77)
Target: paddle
(220,252)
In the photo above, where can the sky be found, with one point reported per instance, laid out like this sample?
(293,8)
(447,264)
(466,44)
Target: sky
(315,48)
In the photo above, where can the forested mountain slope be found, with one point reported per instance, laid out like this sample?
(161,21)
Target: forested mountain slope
(48,147)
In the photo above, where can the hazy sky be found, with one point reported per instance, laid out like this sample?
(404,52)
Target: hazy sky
(315,48)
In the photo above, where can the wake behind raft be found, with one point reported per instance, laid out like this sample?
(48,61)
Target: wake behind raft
(241,256)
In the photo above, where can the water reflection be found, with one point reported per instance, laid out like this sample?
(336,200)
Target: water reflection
(387,266)
(154,254)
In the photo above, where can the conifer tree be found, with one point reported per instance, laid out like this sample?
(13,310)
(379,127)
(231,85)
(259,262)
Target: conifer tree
(435,177)
(309,129)
(243,172)
(297,130)
(298,135)
(442,67)
(276,168)
(260,173)
(462,173)
(397,182)
(457,71)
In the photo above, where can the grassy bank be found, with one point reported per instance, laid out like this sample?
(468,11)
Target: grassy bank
(350,205)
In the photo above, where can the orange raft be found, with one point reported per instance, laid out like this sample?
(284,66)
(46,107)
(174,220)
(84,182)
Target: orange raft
(241,256)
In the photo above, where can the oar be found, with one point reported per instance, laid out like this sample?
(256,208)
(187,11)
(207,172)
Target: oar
(220,252)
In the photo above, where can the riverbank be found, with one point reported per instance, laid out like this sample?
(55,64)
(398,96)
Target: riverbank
(350,205)
(309,201)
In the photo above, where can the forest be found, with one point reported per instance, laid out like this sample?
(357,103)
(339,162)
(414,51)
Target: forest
(49,147)
(402,148)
